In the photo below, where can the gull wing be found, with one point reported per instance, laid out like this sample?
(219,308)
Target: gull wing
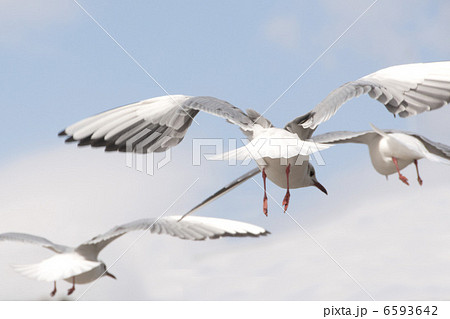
(152,125)
(35,240)
(191,228)
(340,137)
(441,151)
(238,181)
(405,90)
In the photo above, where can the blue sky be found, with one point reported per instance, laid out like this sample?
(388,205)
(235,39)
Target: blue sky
(59,67)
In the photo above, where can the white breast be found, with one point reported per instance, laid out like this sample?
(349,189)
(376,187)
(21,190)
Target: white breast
(88,276)
(276,171)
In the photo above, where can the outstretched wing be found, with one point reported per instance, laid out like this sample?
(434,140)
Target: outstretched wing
(341,137)
(35,240)
(152,125)
(238,181)
(405,90)
(61,266)
(364,137)
(435,148)
(191,228)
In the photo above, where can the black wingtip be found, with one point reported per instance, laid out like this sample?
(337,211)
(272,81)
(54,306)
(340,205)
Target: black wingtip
(85,141)
(69,140)
(111,148)
(99,142)
(62,133)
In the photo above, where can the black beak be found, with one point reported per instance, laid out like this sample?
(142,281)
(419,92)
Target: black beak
(320,186)
(110,275)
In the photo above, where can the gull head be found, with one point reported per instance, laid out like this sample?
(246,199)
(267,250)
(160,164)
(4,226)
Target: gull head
(311,178)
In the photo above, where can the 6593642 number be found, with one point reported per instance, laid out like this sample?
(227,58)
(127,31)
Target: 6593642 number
(410,310)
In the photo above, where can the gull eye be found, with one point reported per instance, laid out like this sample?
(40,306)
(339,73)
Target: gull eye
(311,173)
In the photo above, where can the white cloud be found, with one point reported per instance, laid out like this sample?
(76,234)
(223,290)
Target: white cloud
(19,20)
(390,32)
(283,31)
(393,239)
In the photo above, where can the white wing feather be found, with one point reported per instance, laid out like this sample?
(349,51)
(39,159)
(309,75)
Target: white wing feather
(35,240)
(191,228)
(405,90)
(152,125)
(59,266)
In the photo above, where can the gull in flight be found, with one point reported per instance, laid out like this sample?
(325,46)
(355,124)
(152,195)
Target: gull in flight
(282,155)
(80,265)
(391,150)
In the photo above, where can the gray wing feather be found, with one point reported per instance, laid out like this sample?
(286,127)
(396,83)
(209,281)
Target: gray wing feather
(238,181)
(35,240)
(152,125)
(256,119)
(295,126)
(364,137)
(305,125)
(191,228)
(219,108)
(435,148)
(404,90)
(97,243)
(340,137)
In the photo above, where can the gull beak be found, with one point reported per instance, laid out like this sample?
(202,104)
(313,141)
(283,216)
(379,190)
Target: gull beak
(110,275)
(320,186)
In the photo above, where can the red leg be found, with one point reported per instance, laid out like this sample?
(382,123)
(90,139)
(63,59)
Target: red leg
(418,176)
(54,289)
(288,195)
(400,176)
(265,210)
(71,290)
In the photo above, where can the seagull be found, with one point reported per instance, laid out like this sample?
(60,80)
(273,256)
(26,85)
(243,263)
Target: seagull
(391,150)
(157,124)
(80,265)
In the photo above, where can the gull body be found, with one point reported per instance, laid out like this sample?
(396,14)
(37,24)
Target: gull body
(273,150)
(77,265)
(390,150)
(91,275)
(80,265)
(276,172)
(405,148)
(285,149)
(156,124)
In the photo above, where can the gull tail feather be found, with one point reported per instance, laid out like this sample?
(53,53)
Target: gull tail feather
(379,131)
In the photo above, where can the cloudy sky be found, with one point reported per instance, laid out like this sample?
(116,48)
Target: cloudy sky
(368,237)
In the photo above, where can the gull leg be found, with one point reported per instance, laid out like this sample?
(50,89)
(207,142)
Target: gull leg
(265,210)
(52,294)
(418,176)
(288,195)
(71,290)
(400,176)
